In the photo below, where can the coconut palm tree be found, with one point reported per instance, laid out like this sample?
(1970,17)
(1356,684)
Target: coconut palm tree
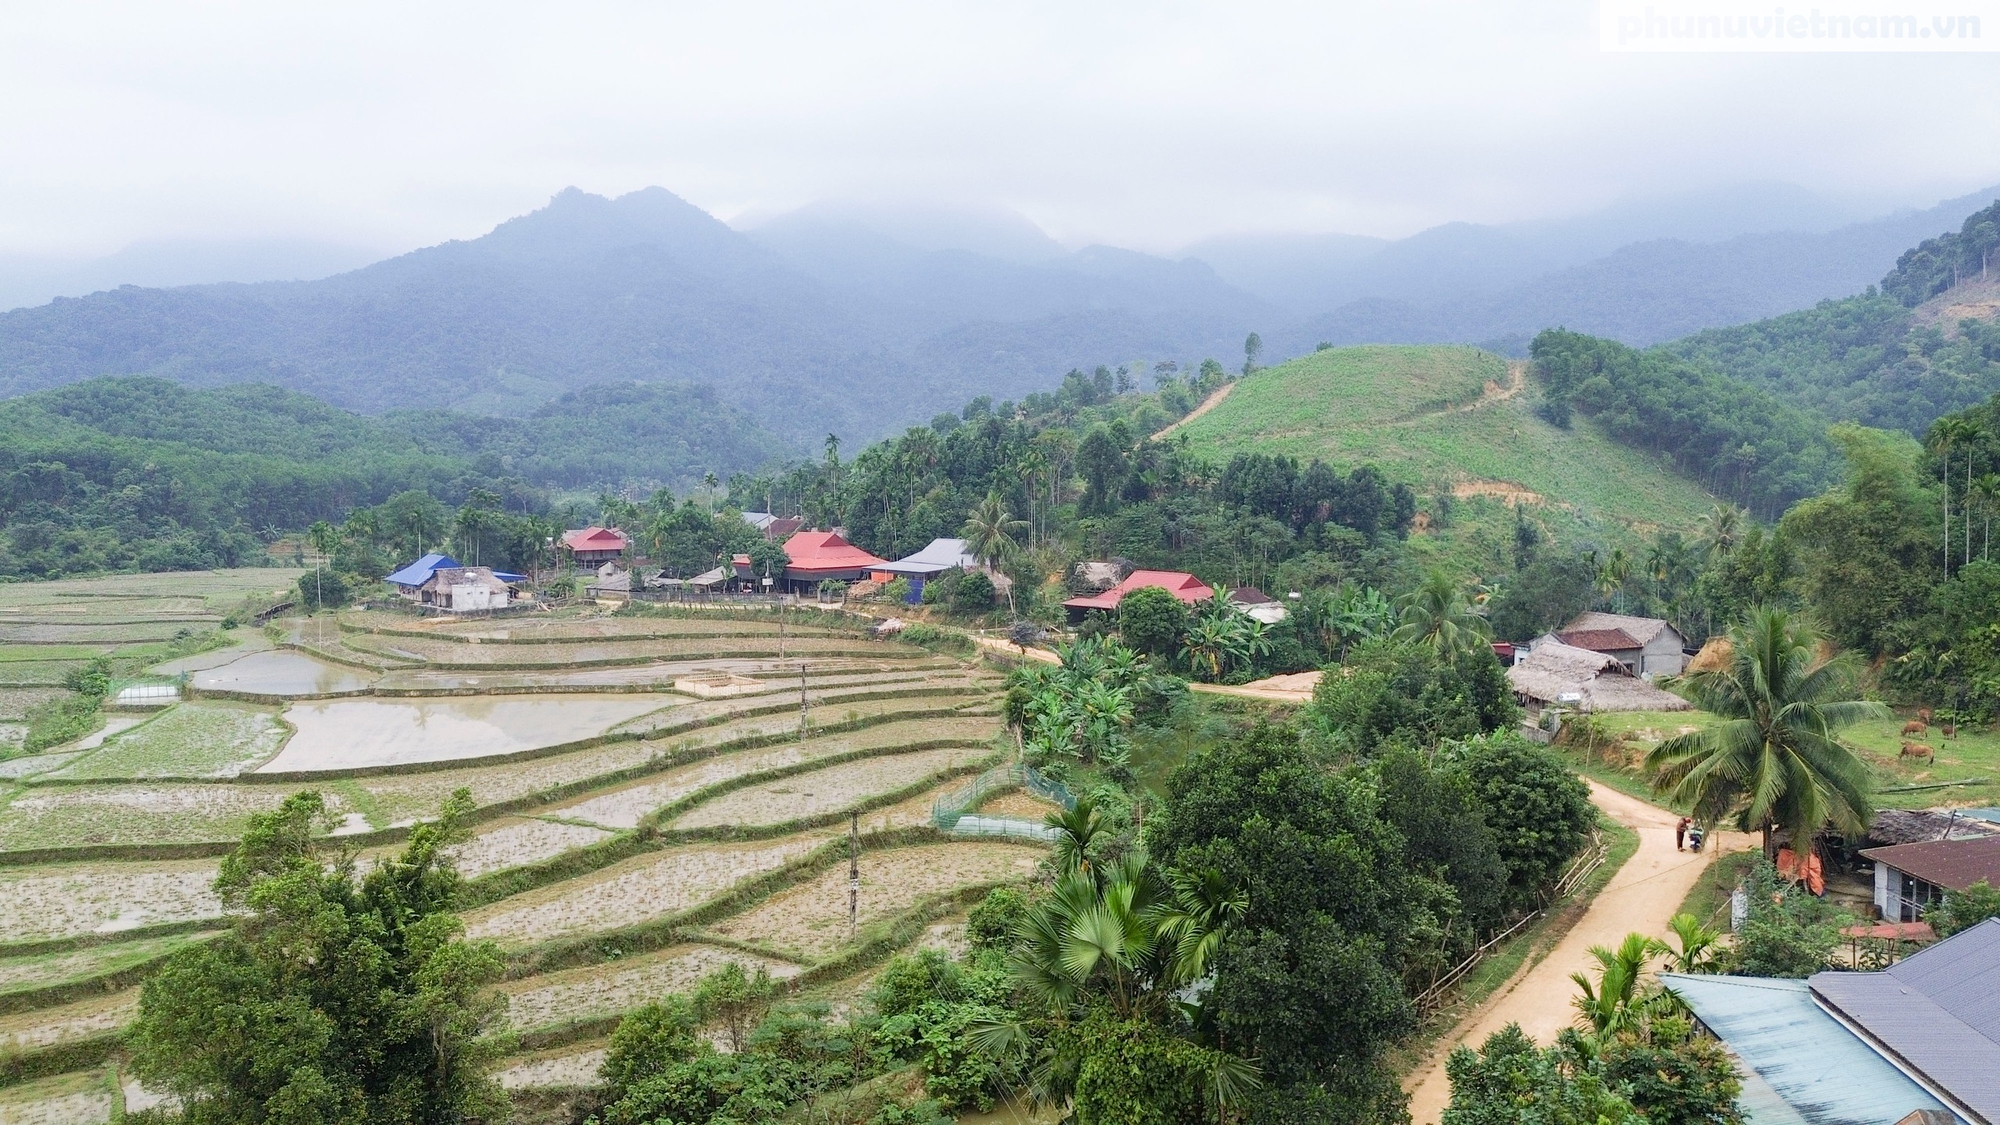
(1439,614)
(989,533)
(1773,761)
(1721,529)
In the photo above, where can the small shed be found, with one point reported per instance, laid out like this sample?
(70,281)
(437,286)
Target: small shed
(465,589)
(1911,878)
(1556,673)
(774,529)
(940,556)
(1257,604)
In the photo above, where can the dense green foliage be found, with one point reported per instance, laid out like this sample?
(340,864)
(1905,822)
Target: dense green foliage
(144,474)
(335,997)
(1962,910)
(1740,441)
(1937,264)
(1399,693)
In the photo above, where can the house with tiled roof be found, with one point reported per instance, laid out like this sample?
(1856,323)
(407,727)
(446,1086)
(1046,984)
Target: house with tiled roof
(1912,878)
(1648,646)
(592,547)
(820,556)
(1180,584)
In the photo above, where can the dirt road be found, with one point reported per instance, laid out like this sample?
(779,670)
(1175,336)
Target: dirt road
(1642,896)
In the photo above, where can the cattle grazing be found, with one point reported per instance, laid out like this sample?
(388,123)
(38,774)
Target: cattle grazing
(1950,729)
(1924,713)
(1918,750)
(1915,726)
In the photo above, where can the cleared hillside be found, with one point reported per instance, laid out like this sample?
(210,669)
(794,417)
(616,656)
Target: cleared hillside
(1450,419)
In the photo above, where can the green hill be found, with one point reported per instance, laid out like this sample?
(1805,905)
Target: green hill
(1452,421)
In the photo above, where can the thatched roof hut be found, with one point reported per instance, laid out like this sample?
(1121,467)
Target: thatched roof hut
(1918,826)
(1590,681)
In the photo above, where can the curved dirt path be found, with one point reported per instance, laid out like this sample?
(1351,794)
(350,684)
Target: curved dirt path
(1207,404)
(1642,896)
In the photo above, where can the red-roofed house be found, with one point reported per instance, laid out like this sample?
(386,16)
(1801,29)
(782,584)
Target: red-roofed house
(817,556)
(595,546)
(1184,586)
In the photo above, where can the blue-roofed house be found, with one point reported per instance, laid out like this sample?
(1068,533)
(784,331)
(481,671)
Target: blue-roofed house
(940,556)
(410,580)
(1865,1048)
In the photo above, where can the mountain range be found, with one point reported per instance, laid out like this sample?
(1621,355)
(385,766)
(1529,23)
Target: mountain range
(862,320)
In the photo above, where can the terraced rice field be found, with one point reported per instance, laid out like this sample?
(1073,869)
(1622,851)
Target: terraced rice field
(196,739)
(827,790)
(808,922)
(625,807)
(69,900)
(43,970)
(67,1099)
(607,989)
(642,889)
(350,734)
(449,697)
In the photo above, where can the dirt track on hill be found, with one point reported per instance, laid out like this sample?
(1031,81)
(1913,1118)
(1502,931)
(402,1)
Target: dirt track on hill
(1207,405)
(1642,896)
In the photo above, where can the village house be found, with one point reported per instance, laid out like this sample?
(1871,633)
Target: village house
(1647,646)
(1555,674)
(1258,605)
(1911,878)
(1180,584)
(774,529)
(940,556)
(592,547)
(822,556)
(440,582)
(1915,1044)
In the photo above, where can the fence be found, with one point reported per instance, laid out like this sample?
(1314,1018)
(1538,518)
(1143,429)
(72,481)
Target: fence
(1593,857)
(970,825)
(948,810)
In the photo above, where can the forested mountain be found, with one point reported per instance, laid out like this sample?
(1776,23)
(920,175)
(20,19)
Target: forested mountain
(862,322)
(1923,344)
(144,473)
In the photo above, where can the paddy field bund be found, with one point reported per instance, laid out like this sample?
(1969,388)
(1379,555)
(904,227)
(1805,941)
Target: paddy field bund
(629,837)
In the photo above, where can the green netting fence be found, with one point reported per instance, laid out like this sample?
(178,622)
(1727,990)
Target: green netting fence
(951,810)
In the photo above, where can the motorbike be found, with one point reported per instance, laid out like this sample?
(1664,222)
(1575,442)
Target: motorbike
(1695,836)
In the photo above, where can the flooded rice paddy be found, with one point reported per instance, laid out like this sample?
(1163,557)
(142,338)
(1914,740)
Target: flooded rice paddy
(345,734)
(283,672)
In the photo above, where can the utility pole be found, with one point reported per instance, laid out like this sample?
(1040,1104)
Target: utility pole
(803,712)
(853,875)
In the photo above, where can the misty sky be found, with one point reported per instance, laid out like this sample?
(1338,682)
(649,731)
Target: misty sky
(1147,125)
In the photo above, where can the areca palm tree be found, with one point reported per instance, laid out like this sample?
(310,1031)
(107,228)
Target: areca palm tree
(1773,761)
(1947,434)
(1616,1000)
(1439,614)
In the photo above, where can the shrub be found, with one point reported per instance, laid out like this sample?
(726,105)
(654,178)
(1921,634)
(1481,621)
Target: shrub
(898,590)
(322,589)
(1962,910)
(1151,620)
(992,923)
(974,593)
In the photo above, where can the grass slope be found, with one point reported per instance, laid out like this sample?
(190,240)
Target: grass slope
(1445,418)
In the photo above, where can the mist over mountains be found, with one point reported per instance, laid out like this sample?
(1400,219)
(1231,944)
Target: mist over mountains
(861,320)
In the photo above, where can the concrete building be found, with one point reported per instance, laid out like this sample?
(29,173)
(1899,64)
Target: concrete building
(1647,646)
(1910,878)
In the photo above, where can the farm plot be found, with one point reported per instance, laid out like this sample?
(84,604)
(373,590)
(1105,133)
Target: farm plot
(444,653)
(404,798)
(827,706)
(199,739)
(516,840)
(35,673)
(67,1099)
(47,1027)
(282,672)
(92,633)
(626,806)
(641,889)
(617,986)
(69,900)
(829,790)
(563,1067)
(61,816)
(657,676)
(1016,803)
(16,702)
(542,630)
(345,734)
(19,974)
(809,921)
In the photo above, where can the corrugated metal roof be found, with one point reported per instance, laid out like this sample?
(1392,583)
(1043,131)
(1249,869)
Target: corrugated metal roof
(1938,1012)
(939,555)
(1180,584)
(419,572)
(1821,1072)
(1952,864)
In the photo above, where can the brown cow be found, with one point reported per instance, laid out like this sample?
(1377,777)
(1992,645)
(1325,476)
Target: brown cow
(1918,750)
(1915,726)
(1950,729)
(1924,713)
